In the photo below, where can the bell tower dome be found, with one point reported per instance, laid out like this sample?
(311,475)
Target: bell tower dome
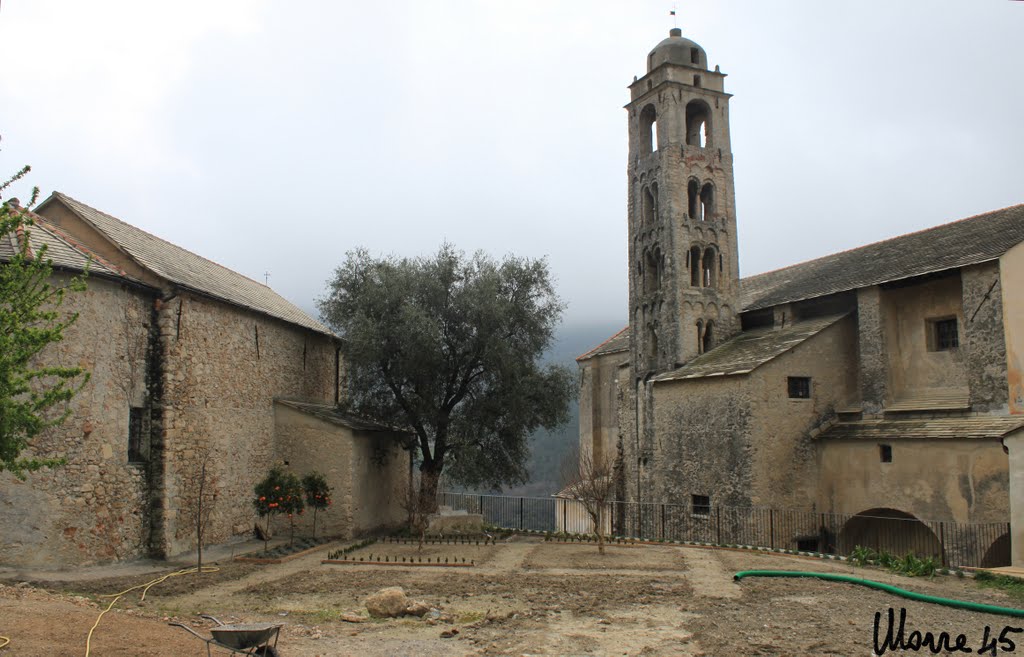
(683,259)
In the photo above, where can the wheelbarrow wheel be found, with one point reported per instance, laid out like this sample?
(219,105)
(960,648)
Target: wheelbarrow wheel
(267,651)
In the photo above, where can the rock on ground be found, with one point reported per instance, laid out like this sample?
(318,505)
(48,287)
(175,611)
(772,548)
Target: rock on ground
(389,602)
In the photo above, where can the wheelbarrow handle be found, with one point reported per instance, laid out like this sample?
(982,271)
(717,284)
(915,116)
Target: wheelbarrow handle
(189,630)
(211,618)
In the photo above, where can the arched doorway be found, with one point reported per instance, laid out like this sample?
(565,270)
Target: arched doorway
(889,530)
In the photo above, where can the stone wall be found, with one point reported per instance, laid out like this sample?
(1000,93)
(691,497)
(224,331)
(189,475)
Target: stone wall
(740,439)
(599,427)
(94,508)
(368,471)
(1011,272)
(222,368)
(915,366)
(950,480)
(984,341)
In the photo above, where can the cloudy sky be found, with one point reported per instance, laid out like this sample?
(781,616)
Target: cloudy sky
(274,137)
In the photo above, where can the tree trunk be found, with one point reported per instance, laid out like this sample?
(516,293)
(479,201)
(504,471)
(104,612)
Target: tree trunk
(430,476)
(599,530)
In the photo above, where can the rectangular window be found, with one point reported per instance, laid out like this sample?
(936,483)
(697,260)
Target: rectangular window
(799,387)
(136,444)
(885,453)
(943,334)
(701,505)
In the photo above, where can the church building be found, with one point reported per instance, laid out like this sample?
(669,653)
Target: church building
(881,382)
(190,362)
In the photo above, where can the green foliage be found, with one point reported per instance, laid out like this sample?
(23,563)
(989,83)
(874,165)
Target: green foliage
(33,397)
(910,564)
(1013,586)
(450,346)
(318,494)
(279,493)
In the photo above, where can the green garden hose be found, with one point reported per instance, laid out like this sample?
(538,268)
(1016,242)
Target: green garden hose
(920,597)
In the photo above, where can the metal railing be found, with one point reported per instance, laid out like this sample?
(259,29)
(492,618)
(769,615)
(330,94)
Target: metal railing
(952,543)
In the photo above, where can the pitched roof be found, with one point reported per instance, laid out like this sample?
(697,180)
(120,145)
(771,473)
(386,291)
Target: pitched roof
(61,250)
(186,269)
(616,343)
(749,350)
(965,242)
(960,243)
(330,413)
(979,427)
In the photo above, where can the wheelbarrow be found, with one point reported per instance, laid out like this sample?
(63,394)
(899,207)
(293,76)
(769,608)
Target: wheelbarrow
(241,638)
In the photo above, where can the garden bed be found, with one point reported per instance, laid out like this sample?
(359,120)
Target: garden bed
(285,552)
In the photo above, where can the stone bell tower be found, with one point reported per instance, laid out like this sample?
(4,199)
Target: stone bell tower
(683,261)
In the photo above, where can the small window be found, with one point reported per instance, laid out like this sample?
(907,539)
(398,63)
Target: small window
(799,387)
(694,56)
(943,334)
(701,505)
(136,446)
(885,453)
(696,80)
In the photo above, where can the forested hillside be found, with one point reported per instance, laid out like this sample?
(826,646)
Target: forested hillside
(548,448)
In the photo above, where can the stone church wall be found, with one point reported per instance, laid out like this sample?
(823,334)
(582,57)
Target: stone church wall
(222,368)
(93,508)
(950,480)
(740,439)
(985,346)
(1011,270)
(368,472)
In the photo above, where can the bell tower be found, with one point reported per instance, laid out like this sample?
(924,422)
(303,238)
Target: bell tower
(683,259)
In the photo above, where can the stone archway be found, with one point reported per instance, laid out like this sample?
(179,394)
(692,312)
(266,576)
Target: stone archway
(890,530)
(998,554)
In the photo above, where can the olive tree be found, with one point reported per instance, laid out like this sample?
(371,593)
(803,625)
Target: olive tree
(450,347)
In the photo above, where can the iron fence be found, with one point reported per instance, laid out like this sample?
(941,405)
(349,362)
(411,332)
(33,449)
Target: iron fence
(952,543)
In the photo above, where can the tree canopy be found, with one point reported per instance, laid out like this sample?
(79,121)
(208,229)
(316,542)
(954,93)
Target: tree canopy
(32,395)
(450,346)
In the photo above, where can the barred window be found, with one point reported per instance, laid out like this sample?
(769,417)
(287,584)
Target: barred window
(799,387)
(944,334)
(701,505)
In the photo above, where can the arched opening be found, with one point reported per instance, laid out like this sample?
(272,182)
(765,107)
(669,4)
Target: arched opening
(698,124)
(693,206)
(695,266)
(652,271)
(707,202)
(998,554)
(708,342)
(652,346)
(647,207)
(700,336)
(709,268)
(648,130)
(896,532)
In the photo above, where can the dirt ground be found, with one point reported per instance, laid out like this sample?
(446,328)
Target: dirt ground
(523,597)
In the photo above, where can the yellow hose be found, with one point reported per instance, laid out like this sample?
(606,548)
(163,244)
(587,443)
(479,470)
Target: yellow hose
(145,587)
(5,641)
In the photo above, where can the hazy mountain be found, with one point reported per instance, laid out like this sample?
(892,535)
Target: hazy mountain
(548,448)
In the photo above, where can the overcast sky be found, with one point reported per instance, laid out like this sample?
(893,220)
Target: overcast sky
(274,137)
